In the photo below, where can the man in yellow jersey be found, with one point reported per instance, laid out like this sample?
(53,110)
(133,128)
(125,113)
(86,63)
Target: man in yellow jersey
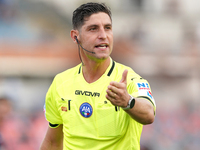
(99,104)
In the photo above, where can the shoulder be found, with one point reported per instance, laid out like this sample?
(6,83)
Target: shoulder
(131,73)
(69,72)
(66,75)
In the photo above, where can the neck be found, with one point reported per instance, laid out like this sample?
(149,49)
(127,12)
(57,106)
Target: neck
(92,70)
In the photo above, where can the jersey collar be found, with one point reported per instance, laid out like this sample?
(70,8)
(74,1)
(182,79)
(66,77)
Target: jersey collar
(109,72)
(112,68)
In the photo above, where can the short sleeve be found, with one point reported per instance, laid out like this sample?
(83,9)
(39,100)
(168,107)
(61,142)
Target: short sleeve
(140,88)
(51,109)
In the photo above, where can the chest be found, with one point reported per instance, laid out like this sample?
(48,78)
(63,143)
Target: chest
(85,109)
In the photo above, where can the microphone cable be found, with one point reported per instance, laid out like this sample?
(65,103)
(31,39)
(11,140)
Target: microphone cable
(79,45)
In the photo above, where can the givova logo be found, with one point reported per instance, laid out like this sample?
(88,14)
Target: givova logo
(87,93)
(86,110)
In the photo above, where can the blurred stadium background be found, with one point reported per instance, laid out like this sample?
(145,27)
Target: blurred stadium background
(159,39)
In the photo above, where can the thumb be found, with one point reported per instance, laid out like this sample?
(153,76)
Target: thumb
(124,76)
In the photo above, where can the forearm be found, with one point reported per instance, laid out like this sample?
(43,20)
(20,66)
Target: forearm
(45,145)
(53,139)
(142,112)
(50,146)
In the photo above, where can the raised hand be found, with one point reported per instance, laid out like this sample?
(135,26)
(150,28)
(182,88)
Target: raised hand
(117,91)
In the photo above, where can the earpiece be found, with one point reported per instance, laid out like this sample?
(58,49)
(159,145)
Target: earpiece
(76,38)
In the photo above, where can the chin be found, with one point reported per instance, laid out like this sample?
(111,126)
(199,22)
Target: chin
(103,57)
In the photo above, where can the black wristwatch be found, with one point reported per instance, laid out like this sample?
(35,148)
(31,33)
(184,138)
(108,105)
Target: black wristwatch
(131,103)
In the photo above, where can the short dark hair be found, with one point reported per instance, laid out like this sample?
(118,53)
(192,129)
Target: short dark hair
(86,10)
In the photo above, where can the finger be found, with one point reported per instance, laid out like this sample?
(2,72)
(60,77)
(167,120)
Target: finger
(111,94)
(116,84)
(111,99)
(124,76)
(113,88)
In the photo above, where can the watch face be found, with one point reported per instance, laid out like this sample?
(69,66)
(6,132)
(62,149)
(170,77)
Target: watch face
(132,103)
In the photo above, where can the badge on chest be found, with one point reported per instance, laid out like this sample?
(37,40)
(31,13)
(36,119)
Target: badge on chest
(86,110)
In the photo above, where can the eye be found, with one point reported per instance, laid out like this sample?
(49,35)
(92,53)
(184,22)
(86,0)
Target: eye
(92,29)
(108,27)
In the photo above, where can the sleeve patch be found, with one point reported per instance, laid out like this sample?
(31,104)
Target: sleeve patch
(143,86)
(146,93)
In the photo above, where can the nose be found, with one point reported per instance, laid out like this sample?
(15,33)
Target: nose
(102,34)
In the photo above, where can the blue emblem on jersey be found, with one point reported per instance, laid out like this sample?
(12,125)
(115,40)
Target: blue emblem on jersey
(86,110)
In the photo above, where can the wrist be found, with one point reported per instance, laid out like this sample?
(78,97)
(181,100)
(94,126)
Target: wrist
(131,103)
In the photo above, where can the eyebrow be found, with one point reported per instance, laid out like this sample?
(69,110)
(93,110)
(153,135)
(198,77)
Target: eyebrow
(95,25)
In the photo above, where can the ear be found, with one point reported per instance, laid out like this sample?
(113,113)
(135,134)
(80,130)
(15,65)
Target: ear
(73,34)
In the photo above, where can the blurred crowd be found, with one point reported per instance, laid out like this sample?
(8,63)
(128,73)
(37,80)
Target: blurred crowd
(20,132)
(174,130)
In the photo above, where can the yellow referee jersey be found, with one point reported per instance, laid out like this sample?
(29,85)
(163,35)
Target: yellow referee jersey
(89,120)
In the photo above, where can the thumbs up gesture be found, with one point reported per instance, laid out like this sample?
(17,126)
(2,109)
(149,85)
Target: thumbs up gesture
(117,91)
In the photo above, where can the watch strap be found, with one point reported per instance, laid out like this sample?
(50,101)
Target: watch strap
(131,103)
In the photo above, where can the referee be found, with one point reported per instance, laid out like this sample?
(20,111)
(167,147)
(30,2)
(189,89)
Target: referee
(99,104)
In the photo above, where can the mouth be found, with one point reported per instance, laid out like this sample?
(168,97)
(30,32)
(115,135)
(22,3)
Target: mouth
(102,46)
